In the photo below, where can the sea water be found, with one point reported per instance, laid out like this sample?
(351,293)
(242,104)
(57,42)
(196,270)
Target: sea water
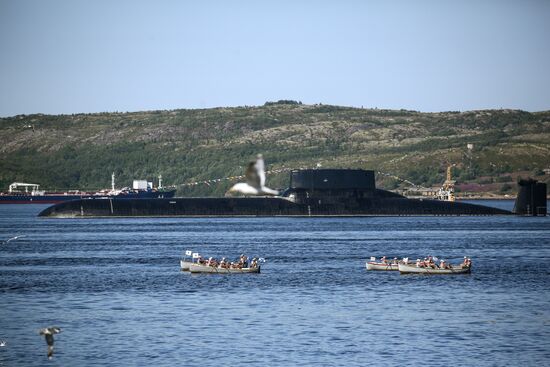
(115,289)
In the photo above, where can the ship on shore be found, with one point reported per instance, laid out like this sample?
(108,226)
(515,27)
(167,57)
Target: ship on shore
(28,193)
(311,192)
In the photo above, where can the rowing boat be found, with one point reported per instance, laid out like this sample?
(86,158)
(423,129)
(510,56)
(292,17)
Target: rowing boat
(184,265)
(373,265)
(197,268)
(452,269)
(385,265)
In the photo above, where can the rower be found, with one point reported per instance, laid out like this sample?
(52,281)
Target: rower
(242,261)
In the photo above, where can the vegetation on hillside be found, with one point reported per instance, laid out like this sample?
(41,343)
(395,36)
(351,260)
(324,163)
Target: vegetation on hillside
(82,150)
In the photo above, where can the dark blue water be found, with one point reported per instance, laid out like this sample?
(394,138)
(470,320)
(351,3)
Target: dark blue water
(114,287)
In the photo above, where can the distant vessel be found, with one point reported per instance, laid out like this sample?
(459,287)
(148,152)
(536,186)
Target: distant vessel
(28,193)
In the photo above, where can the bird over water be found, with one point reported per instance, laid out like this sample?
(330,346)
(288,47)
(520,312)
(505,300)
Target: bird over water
(255,180)
(48,334)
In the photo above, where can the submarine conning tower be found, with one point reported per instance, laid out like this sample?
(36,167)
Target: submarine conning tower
(330,186)
(531,199)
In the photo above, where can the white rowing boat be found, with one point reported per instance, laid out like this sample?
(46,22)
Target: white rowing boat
(452,269)
(197,268)
(385,265)
(373,265)
(184,265)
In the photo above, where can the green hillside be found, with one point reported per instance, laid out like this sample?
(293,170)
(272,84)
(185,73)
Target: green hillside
(81,150)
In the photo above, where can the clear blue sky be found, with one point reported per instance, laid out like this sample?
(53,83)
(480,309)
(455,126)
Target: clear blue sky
(69,56)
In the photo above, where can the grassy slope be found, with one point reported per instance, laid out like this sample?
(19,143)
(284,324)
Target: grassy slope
(81,151)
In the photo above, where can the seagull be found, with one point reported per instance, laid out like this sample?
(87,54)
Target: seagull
(11,239)
(48,334)
(255,180)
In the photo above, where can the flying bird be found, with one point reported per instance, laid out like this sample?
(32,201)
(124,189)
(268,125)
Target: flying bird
(11,239)
(48,334)
(255,180)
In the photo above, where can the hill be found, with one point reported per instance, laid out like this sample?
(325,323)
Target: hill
(81,150)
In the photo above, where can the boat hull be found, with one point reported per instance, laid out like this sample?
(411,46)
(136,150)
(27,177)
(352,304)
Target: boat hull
(61,197)
(38,199)
(184,265)
(413,269)
(195,268)
(381,266)
(257,206)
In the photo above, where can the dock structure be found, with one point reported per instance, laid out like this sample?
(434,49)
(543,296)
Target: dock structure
(447,191)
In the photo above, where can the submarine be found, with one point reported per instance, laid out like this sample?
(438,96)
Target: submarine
(311,192)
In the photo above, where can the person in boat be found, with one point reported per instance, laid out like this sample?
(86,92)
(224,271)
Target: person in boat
(394,262)
(222,263)
(383,260)
(467,262)
(254,263)
(442,264)
(243,261)
(211,262)
(418,263)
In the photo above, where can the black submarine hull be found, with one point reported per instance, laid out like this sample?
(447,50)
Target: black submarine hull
(259,207)
(321,192)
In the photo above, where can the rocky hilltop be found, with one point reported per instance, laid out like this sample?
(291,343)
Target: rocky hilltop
(489,149)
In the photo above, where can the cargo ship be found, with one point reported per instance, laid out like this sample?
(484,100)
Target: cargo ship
(25,193)
(311,192)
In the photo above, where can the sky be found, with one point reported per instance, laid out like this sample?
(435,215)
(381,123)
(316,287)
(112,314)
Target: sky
(73,56)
